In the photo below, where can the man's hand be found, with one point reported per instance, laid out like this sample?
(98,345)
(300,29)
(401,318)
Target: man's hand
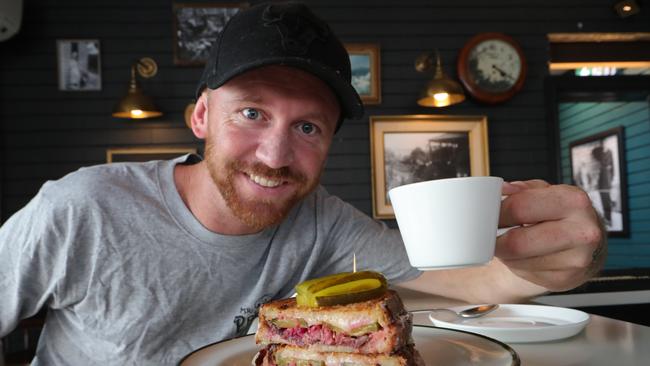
(560,241)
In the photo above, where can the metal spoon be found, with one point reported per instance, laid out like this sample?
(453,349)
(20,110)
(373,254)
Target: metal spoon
(473,312)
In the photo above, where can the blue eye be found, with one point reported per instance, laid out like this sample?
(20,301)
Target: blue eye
(307,128)
(251,113)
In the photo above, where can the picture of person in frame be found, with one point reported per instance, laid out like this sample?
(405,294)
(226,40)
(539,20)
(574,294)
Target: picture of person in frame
(79,65)
(596,173)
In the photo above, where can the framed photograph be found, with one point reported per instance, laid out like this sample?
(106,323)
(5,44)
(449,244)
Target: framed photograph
(195,28)
(414,148)
(79,64)
(366,78)
(124,154)
(598,167)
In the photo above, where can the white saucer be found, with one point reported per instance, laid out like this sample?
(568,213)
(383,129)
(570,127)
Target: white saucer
(437,346)
(517,323)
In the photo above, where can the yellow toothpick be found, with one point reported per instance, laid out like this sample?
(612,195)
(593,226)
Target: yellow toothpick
(354,262)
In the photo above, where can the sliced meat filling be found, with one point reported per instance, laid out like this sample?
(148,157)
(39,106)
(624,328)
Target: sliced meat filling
(302,335)
(322,334)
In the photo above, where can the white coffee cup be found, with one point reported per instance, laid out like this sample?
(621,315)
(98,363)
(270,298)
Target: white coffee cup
(448,222)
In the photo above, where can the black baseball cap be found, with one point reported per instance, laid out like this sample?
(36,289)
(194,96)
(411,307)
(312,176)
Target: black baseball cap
(282,34)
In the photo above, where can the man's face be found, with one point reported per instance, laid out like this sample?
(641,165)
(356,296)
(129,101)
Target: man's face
(268,134)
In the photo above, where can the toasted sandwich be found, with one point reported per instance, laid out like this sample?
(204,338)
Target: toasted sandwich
(380,325)
(283,355)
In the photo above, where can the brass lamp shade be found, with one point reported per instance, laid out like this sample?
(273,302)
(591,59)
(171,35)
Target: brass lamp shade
(135,105)
(441,91)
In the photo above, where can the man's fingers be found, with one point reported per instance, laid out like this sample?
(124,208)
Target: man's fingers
(557,254)
(536,240)
(533,183)
(532,205)
(559,271)
(518,186)
(557,242)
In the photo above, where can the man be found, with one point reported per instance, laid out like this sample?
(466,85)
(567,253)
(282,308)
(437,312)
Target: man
(143,263)
(605,159)
(595,175)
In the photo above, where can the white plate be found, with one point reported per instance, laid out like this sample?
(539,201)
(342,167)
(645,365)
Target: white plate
(436,345)
(518,323)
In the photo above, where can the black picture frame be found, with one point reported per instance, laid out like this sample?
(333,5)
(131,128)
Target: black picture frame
(79,65)
(196,26)
(598,167)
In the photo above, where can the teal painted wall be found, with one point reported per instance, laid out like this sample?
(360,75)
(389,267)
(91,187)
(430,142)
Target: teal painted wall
(581,119)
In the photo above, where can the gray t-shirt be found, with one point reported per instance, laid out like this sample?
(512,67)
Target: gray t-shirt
(130,276)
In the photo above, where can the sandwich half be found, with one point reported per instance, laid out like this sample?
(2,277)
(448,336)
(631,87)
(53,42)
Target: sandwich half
(283,355)
(380,325)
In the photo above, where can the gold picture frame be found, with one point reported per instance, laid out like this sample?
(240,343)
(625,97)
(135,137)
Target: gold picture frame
(411,148)
(366,71)
(141,154)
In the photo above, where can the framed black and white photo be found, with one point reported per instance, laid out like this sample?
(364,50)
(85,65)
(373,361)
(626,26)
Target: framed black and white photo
(79,64)
(196,27)
(415,148)
(598,167)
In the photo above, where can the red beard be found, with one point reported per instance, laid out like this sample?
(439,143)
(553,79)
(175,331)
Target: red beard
(255,213)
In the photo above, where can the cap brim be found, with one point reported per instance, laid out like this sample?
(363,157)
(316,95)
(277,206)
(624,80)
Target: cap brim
(348,97)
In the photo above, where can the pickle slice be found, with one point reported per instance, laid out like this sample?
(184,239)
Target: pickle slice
(316,284)
(364,329)
(299,362)
(354,291)
(289,323)
(341,288)
(355,332)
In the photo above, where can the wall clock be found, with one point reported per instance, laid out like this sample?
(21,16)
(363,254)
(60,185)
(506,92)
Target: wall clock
(492,67)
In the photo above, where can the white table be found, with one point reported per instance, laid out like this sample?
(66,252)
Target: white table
(605,341)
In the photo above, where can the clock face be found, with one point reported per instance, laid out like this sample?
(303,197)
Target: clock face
(494,65)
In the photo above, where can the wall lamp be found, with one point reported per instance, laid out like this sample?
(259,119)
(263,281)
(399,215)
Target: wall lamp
(137,105)
(441,91)
(626,8)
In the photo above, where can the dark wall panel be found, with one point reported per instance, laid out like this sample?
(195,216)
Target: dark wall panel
(46,133)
